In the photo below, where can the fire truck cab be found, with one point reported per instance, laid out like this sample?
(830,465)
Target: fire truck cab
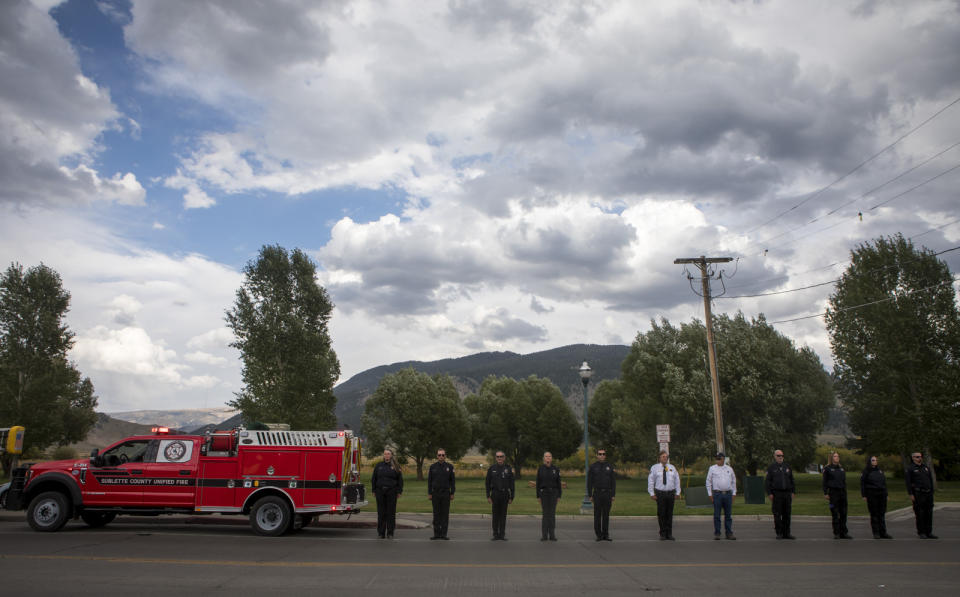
(280,479)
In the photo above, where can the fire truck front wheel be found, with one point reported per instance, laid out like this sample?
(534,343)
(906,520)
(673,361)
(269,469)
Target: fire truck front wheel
(97,519)
(271,516)
(48,512)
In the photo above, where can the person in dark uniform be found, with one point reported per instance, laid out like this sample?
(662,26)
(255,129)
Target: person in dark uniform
(500,488)
(920,488)
(441,485)
(602,489)
(781,490)
(387,483)
(873,489)
(663,485)
(549,491)
(835,491)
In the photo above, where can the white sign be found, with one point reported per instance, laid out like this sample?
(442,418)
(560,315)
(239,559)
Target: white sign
(663,433)
(175,450)
(665,447)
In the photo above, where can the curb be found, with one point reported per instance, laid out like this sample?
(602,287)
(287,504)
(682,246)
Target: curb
(369,519)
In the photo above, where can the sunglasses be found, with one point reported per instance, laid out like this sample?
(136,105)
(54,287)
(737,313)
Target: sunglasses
(601,453)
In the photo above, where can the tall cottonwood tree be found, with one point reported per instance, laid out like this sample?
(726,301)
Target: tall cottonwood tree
(280,319)
(773,395)
(524,419)
(895,333)
(39,387)
(415,414)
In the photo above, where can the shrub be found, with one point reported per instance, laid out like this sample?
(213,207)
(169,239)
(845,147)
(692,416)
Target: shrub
(64,453)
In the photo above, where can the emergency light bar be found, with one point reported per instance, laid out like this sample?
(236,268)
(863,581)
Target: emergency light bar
(159,430)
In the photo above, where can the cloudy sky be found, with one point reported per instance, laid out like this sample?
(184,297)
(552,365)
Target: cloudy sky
(468,175)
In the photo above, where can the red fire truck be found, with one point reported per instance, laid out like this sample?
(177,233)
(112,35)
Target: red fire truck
(280,479)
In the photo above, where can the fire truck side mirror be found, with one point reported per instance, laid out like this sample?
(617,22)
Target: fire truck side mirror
(95,459)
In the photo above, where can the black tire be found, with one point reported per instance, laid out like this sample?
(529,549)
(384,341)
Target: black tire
(48,512)
(271,516)
(98,519)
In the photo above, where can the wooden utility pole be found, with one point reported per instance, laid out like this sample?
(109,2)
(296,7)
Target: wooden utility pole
(705,274)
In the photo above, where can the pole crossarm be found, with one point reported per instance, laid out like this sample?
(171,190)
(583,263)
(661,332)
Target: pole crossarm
(698,260)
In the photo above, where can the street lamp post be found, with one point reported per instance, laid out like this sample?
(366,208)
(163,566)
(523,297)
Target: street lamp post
(585,373)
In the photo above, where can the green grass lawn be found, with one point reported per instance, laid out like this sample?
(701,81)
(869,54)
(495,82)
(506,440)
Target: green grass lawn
(633,500)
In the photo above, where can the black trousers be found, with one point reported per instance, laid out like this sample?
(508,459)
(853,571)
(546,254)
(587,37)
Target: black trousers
(441,512)
(500,500)
(782,504)
(602,501)
(386,511)
(665,501)
(877,505)
(923,509)
(548,504)
(838,510)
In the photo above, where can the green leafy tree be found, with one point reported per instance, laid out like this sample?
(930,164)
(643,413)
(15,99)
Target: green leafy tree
(603,431)
(524,419)
(415,414)
(39,387)
(665,381)
(280,320)
(895,333)
(772,394)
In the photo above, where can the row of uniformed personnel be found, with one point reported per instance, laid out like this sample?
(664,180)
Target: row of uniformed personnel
(663,486)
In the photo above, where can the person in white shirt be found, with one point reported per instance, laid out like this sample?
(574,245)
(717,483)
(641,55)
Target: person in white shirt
(722,488)
(663,485)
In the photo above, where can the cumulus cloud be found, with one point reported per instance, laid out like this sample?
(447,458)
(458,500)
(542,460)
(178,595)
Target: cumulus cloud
(127,350)
(216,338)
(51,118)
(500,326)
(541,164)
(142,319)
(537,307)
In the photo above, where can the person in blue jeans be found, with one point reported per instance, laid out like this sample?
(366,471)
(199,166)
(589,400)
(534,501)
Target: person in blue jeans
(722,487)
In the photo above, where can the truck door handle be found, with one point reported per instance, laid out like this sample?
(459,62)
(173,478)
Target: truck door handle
(136,472)
(185,473)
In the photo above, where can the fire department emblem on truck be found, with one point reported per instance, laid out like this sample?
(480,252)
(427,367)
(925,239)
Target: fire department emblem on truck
(174,451)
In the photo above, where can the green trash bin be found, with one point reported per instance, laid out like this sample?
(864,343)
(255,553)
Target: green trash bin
(754,491)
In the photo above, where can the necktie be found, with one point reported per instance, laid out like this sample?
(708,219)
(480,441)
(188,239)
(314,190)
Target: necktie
(664,476)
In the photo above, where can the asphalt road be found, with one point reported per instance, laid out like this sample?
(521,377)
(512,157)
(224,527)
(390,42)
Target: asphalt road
(186,556)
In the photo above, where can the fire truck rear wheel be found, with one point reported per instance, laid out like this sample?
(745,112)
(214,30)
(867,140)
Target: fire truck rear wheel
(271,516)
(48,512)
(97,519)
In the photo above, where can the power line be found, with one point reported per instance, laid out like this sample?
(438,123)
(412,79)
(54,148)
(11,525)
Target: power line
(831,281)
(884,300)
(945,172)
(935,229)
(860,165)
(895,178)
(766,242)
(823,267)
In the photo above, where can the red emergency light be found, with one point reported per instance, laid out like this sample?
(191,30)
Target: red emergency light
(159,430)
